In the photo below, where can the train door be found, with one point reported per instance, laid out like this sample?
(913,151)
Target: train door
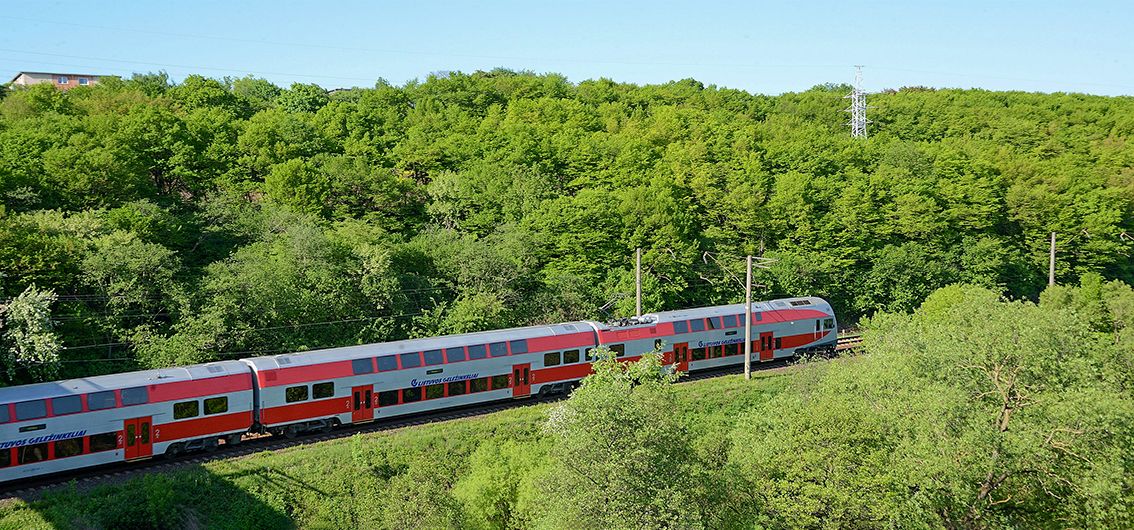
(681,356)
(138,443)
(521,383)
(767,353)
(362,403)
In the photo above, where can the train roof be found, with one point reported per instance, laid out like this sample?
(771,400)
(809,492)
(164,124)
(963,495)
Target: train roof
(100,383)
(382,349)
(800,302)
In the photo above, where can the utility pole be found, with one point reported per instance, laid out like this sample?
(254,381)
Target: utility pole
(1051,262)
(857,107)
(748,322)
(638,282)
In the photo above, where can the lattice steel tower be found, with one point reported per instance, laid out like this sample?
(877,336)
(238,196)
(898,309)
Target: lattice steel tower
(857,108)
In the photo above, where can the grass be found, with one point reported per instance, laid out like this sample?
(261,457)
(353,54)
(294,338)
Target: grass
(343,483)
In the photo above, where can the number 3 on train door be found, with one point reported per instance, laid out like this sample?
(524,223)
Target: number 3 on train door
(521,380)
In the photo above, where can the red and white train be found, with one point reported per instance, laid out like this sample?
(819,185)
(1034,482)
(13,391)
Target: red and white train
(65,425)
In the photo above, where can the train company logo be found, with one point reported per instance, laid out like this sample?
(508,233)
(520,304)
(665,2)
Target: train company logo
(712,343)
(42,439)
(450,379)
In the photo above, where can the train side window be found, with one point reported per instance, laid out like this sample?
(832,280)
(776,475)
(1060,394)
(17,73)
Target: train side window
(30,454)
(362,366)
(435,391)
(68,447)
(454,355)
(185,409)
(100,400)
(590,355)
(388,363)
(518,346)
(387,398)
(30,410)
(697,324)
(456,388)
(135,396)
(410,395)
(219,405)
(323,390)
(551,358)
(729,321)
(828,323)
(618,349)
(3,415)
(570,356)
(66,405)
(779,343)
(410,360)
(715,323)
(697,353)
(732,349)
(818,325)
(433,357)
(478,385)
(293,394)
(681,326)
(716,351)
(498,349)
(759,316)
(5,458)
(500,381)
(104,442)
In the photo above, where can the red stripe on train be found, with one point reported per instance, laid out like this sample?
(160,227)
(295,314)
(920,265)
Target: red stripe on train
(305,411)
(200,387)
(200,427)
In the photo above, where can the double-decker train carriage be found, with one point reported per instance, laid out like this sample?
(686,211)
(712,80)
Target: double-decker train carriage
(324,388)
(63,425)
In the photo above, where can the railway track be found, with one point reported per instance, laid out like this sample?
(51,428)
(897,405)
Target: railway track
(33,487)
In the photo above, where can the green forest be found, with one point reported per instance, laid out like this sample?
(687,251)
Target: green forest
(148,223)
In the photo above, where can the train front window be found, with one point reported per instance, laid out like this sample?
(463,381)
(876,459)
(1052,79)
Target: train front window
(828,323)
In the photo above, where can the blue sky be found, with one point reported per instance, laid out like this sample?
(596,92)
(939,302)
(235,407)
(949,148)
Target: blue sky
(765,47)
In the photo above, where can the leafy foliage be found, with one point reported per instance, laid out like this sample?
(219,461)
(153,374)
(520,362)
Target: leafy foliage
(499,198)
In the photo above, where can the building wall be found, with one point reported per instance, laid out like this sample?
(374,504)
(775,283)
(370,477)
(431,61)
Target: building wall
(33,78)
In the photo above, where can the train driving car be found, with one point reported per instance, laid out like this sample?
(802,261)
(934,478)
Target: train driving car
(711,337)
(321,389)
(64,425)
